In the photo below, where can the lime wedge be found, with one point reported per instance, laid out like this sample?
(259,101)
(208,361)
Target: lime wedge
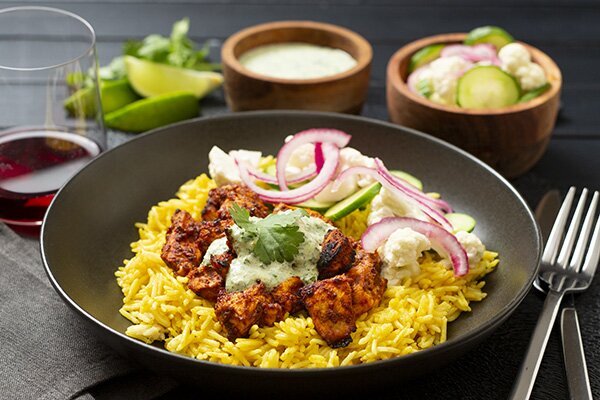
(152,79)
(114,94)
(489,34)
(153,112)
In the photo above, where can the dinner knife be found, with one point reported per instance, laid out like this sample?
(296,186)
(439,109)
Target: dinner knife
(574,357)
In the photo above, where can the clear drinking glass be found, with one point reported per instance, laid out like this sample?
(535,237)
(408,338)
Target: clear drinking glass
(51,121)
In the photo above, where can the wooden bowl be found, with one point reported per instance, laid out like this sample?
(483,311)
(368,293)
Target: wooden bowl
(344,92)
(510,139)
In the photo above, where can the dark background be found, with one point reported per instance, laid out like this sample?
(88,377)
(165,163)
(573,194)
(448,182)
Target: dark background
(567,30)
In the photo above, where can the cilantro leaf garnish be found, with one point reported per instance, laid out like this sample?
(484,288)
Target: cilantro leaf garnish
(278,237)
(278,243)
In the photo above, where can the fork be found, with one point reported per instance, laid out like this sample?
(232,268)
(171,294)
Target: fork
(563,271)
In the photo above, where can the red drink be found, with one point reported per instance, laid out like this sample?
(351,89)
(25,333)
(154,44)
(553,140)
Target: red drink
(33,166)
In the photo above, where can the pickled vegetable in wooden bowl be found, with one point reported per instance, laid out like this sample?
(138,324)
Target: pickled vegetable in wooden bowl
(510,134)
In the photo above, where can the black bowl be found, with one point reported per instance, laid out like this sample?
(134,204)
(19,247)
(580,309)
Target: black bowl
(90,224)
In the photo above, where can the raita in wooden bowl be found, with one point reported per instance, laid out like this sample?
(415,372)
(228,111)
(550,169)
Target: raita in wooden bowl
(296,65)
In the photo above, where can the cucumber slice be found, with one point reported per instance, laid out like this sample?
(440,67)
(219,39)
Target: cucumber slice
(487,87)
(461,222)
(408,178)
(353,202)
(489,34)
(532,94)
(316,205)
(424,56)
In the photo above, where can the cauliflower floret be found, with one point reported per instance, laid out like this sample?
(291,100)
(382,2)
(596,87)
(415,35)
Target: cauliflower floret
(443,75)
(472,246)
(513,56)
(386,204)
(301,159)
(222,167)
(531,76)
(349,157)
(400,254)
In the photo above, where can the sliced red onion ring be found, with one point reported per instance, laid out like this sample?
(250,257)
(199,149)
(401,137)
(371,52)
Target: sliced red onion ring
(429,211)
(303,193)
(296,178)
(318,135)
(476,53)
(414,78)
(442,241)
(411,190)
(319,159)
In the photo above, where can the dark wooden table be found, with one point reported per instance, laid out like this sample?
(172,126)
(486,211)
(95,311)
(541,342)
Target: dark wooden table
(567,30)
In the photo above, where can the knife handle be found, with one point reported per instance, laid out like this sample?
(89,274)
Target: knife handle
(575,366)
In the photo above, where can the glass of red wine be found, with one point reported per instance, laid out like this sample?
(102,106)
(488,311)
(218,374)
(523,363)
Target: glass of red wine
(51,121)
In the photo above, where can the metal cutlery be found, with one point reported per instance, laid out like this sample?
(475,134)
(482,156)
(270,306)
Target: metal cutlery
(573,352)
(563,270)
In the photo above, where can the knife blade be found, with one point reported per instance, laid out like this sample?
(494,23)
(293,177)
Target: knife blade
(573,353)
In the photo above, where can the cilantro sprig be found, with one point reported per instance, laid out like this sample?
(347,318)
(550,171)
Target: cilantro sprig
(278,237)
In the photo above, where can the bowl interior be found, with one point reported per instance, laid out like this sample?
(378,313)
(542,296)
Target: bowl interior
(90,224)
(398,74)
(301,31)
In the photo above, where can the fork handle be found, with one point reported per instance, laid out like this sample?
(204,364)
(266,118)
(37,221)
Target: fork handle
(577,375)
(537,346)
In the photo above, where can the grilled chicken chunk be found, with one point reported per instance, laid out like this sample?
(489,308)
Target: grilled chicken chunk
(211,231)
(208,281)
(181,251)
(221,198)
(367,284)
(337,254)
(287,294)
(238,311)
(329,304)
(285,207)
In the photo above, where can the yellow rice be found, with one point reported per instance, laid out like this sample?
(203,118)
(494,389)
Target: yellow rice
(411,317)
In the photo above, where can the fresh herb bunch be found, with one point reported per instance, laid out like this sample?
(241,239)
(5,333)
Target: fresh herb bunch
(278,236)
(178,50)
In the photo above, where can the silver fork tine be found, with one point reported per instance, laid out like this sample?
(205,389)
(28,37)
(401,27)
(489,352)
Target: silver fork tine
(593,255)
(565,251)
(559,227)
(582,241)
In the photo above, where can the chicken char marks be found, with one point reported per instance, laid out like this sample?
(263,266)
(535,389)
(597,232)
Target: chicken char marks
(181,251)
(335,303)
(337,254)
(221,198)
(349,277)
(187,240)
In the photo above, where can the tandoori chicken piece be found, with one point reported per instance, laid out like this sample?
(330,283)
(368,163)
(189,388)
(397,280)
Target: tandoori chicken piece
(238,311)
(208,280)
(337,254)
(367,284)
(211,231)
(221,198)
(284,207)
(181,251)
(329,304)
(287,294)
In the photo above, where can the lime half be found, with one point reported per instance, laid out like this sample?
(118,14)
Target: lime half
(154,112)
(114,95)
(153,79)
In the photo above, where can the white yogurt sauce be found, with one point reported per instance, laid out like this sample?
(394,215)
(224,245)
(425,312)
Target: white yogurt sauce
(297,60)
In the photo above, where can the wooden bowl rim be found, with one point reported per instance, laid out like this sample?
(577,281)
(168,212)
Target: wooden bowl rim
(365,51)
(393,76)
